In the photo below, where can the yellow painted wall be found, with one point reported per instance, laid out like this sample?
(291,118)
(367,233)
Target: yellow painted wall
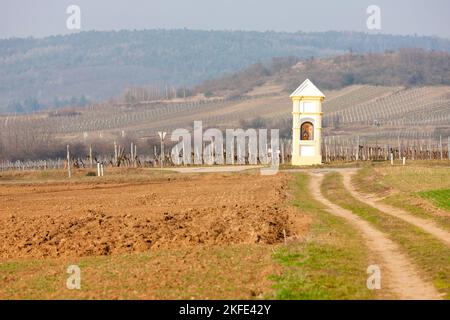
(298,117)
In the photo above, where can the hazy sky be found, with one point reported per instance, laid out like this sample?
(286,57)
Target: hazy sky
(38,18)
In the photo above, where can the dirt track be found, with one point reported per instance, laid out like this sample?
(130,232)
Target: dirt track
(84,219)
(426,225)
(399,275)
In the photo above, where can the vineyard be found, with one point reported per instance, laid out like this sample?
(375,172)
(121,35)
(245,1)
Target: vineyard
(388,106)
(377,115)
(334,149)
(401,107)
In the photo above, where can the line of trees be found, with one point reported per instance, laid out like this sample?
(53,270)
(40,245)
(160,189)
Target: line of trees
(138,94)
(32,104)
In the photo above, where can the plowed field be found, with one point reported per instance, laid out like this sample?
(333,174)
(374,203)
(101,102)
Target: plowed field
(103,218)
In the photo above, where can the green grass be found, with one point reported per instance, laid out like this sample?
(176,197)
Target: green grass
(440,198)
(330,264)
(431,255)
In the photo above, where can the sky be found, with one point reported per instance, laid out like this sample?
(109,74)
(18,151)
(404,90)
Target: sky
(40,18)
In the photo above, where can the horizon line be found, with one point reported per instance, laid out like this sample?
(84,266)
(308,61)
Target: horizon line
(369,33)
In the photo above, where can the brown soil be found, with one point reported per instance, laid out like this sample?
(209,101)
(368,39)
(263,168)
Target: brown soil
(89,219)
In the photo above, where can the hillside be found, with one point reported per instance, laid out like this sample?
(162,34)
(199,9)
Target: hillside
(406,67)
(380,104)
(89,66)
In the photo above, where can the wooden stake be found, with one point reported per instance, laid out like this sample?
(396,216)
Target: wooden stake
(115,153)
(68,162)
(357,150)
(132,155)
(90,155)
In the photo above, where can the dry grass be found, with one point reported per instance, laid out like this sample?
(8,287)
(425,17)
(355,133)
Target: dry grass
(228,272)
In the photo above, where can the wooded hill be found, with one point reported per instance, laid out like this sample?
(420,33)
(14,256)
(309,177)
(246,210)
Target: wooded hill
(406,67)
(75,69)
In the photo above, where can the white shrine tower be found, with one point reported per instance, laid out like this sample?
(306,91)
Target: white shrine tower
(307,124)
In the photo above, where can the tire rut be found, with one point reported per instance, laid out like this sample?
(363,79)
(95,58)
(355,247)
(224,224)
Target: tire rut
(424,224)
(398,275)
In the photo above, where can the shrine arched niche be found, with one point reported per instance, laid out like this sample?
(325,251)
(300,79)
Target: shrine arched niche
(307,131)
